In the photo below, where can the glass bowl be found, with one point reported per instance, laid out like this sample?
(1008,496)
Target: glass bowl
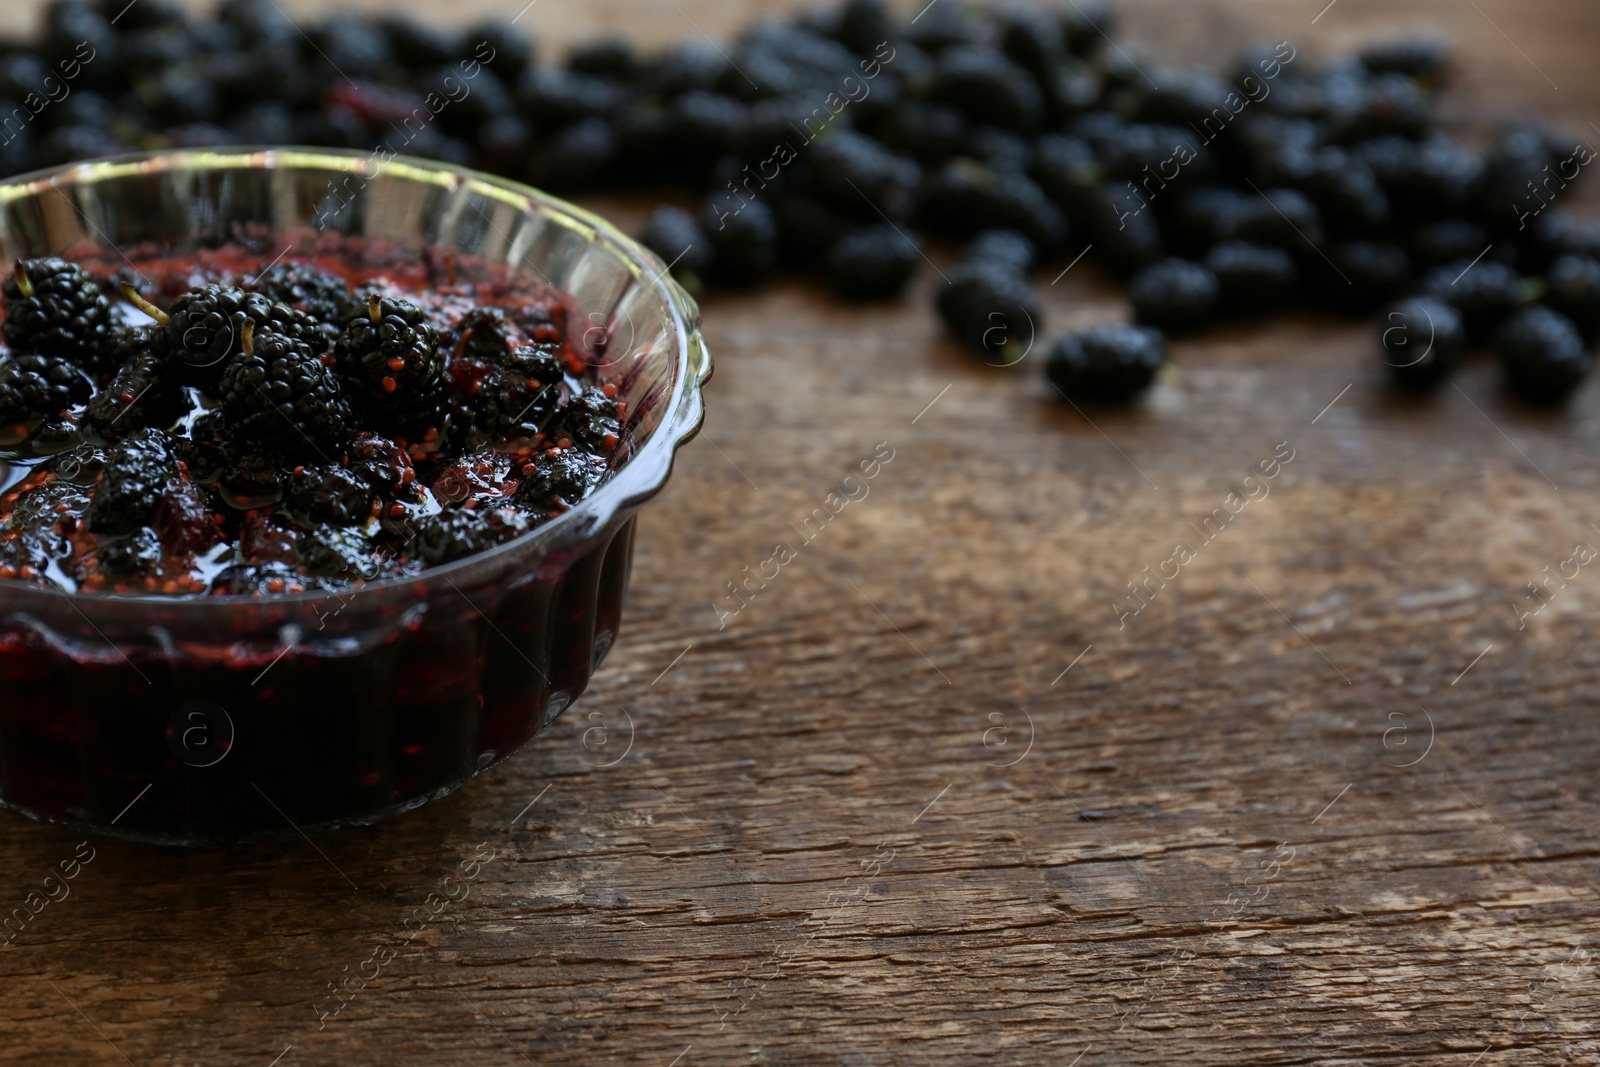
(218,719)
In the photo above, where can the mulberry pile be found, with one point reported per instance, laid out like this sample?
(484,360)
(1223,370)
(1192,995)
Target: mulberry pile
(238,444)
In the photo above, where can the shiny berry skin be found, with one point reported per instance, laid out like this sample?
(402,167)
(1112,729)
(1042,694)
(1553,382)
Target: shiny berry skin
(558,482)
(1174,296)
(1573,288)
(1421,340)
(388,354)
(1252,277)
(34,386)
(54,307)
(872,263)
(144,390)
(315,496)
(1542,355)
(137,474)
(279,393)
(991,309)
(1105,364)
(1484,292)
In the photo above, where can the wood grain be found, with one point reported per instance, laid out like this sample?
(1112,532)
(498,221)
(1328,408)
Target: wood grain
(1321,801)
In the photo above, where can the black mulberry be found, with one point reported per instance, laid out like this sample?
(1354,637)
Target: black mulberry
(1574,290)
(1484,292)
(559,482)
(137,473)
(675,236)
(337,552)
(1421,340)
(1542,354)
(36,386)
(1175,295)
(872,263)
(1252,277)
(589,419)
(388,354)
(144,390)
(1110,364)
(456,533)
(991,309)
(205,326)
(277,392)
(320,295)
(314,496)
(55,308)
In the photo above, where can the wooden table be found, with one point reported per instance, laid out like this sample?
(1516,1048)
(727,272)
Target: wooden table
(925,799)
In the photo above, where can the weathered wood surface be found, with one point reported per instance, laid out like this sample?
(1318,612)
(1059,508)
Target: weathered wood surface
(1321,801)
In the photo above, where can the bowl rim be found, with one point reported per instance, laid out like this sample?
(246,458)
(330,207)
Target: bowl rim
(635,481)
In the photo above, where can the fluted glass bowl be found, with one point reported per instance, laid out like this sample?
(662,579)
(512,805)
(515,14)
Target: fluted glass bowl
(219,719)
